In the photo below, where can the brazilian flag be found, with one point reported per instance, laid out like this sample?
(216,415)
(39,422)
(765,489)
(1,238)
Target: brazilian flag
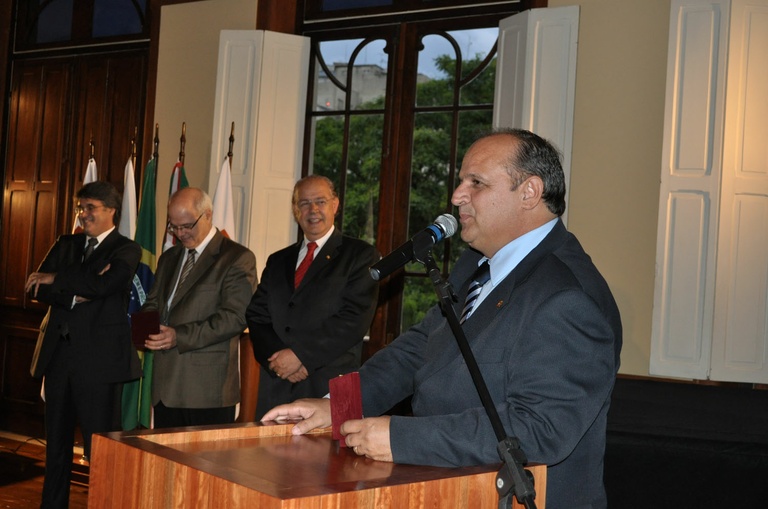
(137,395)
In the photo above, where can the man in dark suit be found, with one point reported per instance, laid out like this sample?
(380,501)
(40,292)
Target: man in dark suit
(314,304)
(84,347)
(202,287)
(545,331)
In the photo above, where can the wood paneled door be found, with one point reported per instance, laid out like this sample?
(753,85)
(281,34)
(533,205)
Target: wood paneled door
(58,107)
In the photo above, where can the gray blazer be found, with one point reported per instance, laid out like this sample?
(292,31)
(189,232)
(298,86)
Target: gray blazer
(547,340)
(208,313)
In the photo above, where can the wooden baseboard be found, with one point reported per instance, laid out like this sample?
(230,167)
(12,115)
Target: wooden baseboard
(713,383)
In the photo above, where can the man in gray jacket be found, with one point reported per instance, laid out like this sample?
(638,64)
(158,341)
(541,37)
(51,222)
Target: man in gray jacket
(202,287)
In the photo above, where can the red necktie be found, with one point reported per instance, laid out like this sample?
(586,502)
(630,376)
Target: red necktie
(304,265)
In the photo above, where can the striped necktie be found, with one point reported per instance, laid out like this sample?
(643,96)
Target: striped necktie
(188,266)
(479,278)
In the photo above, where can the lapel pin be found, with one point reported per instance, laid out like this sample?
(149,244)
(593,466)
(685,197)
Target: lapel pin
(499,304)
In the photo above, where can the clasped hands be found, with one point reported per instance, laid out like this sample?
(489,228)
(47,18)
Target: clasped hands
(366,437)
(286,365)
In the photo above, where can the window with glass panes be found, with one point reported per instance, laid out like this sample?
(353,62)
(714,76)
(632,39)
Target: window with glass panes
(56,23)
(393,107)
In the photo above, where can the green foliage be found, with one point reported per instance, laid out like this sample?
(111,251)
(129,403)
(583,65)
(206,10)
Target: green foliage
(431,185)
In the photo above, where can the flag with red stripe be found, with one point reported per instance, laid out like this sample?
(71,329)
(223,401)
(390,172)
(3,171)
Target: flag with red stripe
(223,208)
(178,181)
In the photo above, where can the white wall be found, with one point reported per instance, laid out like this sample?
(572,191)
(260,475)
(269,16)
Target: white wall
(186,85)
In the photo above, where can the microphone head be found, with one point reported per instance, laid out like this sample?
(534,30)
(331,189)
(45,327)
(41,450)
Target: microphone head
(447,223)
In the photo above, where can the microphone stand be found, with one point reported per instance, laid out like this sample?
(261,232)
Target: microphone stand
(512,479)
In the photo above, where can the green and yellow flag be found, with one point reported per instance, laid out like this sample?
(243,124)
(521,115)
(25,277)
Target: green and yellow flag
(137,395)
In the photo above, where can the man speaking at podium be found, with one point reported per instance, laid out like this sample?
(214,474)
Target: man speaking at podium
(543,326)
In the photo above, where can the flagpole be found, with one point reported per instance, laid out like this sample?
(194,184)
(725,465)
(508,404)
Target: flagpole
(231,143)
(156,151)
(133,145)
(91,175)
(178,181)
(223,211)
(182,142)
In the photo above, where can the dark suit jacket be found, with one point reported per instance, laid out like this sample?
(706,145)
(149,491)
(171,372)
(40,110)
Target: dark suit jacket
(547,340)
(323,321)
(98,330)
(208,313)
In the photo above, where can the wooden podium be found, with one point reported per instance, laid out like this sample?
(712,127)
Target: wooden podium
(263,466)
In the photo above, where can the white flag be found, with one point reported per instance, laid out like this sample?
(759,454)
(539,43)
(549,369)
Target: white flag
(127,225)
(91,175)
(223,208)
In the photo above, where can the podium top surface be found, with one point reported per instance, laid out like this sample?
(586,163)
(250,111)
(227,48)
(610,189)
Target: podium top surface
(268,459)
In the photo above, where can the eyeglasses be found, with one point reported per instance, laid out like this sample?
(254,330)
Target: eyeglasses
(88,208)
(182,227)
(307,204)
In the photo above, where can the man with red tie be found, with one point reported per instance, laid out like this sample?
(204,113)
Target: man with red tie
(314,303)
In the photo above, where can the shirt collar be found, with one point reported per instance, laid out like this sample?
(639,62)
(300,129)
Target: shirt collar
(508,257)
(100,238)
(207,240)
(320,242)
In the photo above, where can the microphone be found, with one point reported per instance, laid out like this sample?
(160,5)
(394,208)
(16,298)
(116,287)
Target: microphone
(443,227)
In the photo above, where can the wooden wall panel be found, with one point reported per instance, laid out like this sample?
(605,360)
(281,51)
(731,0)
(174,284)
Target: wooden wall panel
(109,110)
(34,169)
(22,407)
(56,105)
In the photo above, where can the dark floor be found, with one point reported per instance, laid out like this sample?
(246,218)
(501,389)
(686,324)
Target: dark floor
(22,467)
(673,445)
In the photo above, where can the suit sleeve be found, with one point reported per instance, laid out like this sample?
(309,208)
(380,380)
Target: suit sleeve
(555,384)
(388,377)
(86,281)
(57,260)
(263,336)
(74,278)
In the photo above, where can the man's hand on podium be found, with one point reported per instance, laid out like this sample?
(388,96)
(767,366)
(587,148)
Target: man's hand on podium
(368,437)
(314,413)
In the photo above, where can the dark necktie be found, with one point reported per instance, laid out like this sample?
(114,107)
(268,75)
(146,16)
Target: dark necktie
(90,247)
(479,278)
(188,266)
(304,265)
